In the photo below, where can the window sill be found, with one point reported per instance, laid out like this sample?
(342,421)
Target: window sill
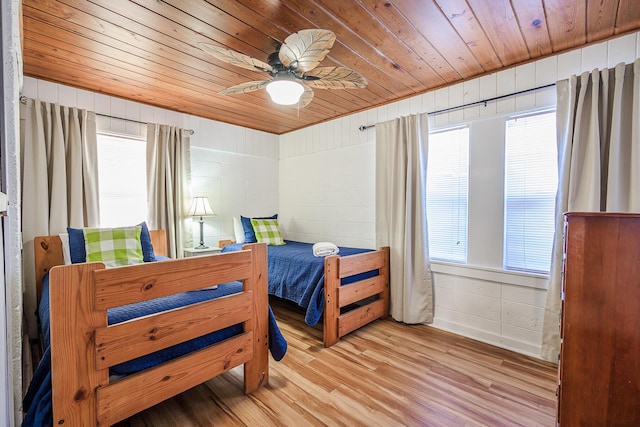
(517,278)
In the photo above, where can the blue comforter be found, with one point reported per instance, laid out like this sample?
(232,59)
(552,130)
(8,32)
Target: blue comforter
(296,275)
(37,402)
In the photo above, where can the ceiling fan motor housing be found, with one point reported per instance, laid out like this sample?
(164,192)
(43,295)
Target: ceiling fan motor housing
(274,61)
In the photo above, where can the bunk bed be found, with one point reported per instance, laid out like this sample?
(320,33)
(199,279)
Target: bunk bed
(106,324)
(348,290)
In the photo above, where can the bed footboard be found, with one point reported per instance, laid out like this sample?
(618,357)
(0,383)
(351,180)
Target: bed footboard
(84,347)
(338,297)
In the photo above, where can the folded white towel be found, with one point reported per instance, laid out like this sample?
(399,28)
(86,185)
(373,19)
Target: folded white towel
(325,249)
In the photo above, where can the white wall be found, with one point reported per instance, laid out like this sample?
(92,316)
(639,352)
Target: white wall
(324,195)
(237,168)
(330,166)
(236,185)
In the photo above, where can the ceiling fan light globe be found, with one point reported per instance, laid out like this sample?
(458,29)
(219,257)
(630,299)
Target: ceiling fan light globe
(285,92)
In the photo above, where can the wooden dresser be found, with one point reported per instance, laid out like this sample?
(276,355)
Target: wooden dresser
(599,374)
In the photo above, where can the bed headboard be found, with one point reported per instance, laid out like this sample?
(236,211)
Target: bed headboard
(48,253)
(223,243)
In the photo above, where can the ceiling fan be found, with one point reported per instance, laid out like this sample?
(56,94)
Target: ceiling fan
(293,68)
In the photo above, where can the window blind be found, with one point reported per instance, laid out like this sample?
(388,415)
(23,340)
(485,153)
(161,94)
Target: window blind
(122,180)
(448,194)
(531,180)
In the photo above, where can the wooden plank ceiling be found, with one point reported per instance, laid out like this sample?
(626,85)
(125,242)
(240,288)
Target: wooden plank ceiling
(147,50)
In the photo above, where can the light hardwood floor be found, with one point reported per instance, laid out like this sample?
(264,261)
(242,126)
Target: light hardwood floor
(385,374)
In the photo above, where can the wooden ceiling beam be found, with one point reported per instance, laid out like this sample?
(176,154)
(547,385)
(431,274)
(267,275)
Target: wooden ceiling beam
(566,20)
(502,28)
(462,18)
(627,16)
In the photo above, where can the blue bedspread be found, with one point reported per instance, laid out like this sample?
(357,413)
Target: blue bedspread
(37,402)
(296,275)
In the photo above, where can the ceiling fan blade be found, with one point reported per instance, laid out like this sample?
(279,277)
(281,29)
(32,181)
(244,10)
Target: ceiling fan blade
(244,87)
(336,78)
(235,58)
(306,96)
(303,51)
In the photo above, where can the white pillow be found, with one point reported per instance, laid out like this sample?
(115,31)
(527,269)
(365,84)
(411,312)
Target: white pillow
(238,230)
(66,252)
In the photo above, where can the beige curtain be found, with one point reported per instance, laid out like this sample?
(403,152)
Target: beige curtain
(59,175)
(168,184)
(598,115)
(401,214)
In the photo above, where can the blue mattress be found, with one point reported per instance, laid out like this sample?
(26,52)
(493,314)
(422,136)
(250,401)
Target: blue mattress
(295,274)
(37,402)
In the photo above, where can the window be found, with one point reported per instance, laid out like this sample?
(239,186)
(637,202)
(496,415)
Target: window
(122,180)
(447,194)
(531,180)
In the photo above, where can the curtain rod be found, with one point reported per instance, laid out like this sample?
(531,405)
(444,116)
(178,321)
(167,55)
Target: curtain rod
(23,100)
(470,104)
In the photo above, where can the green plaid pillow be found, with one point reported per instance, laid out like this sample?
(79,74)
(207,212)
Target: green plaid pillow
(267,231)
(113,246)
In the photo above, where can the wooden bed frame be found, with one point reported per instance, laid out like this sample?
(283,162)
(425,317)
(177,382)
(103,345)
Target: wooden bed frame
(83,347)
(339,318)
(337,297)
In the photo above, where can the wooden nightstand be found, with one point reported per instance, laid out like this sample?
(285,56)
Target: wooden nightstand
(197,252)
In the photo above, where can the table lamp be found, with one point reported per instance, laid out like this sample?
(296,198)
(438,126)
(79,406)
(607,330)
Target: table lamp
(200,207)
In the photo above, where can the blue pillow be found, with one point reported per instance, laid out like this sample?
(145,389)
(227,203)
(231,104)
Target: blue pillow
(79,253)
(249,234)
(76,245)
(145,240)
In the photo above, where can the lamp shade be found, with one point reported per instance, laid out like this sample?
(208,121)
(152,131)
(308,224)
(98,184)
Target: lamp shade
(200,207)
(284,91)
